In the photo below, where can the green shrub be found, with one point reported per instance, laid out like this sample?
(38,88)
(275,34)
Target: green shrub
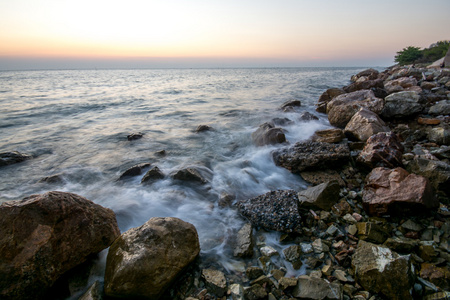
(408,55)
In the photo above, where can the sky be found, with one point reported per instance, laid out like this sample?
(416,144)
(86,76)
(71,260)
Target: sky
(58,34)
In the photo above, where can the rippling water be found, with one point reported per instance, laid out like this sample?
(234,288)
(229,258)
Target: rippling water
(75,123)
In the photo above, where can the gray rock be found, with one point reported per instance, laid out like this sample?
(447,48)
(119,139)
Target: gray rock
(317,288)
(93,293)
(244,242)
(437,172)
(306,116)
(255,292)
(9,158)
(134,170)
(152,175)
(322,196)
(135,136)
(440,108)
(268,134)
(293,255)
(215,281)
(439,135)
(401,104)
(203,128)
(321,176)
(364,124)
(268,251)
(290,104)
(194,174)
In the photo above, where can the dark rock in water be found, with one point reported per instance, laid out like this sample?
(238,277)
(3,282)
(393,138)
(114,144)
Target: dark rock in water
(322,196)
(380,270)
(134,170)
(306,116)
(395,191)
(311,156)
(402,104)
(282,121)
(194,174)
(9,158)
(293,254)
(334,135)
(326,97)
(437,172)
(364,85)
(135,136)
(144,261)
(364,124)
(152,175)
(382,150)
(226,200)
(202,128)
(52,179)
(275,210)
(290,104)
(268,134)
(44,236)
(95,292)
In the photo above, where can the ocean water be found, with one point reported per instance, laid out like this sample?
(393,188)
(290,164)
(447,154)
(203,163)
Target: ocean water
(75,123)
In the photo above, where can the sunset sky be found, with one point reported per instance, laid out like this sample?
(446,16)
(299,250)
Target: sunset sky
(210,33)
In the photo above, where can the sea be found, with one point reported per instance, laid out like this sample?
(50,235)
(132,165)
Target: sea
(75,124)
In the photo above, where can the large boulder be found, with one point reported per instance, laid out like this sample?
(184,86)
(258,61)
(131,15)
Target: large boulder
(400,84)
(383,149)
(326,97)
(364,124)
(322,196)
(311,156)
(275,210)
(342,108)
(380,270)
(395,191)
(402,104)
(44,236)
(368,74)
(9,158)
(268,134)
(437,172)
(144,261)
(440,108)
(364,85)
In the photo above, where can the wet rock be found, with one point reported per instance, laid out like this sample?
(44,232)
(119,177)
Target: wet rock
(364,124)
(52,179)
(318,177)
(375,268)
(316,288)
(326,97)
(439,135)
(134,170)
(95,292)
(287,282)
(311,156)
(322,196)
(342,108)
(244,242)
(293,255)
(152,175)
(437,172)
(364,85)
(255,292)
(282,121)
(135,136)
(254,272)
(319,246)
(195,174)
(237,291)
(290,104)
(371,232)
(268,251)
(440,108)
(44,236)
(275,210)
(9,158)
(268,134)
(400,84)
(306,117)
(226,200)
(436,275)
(203,128)
(144,261)
(215,282)
(393,191)
(383,149)
(401,104)
(334,135)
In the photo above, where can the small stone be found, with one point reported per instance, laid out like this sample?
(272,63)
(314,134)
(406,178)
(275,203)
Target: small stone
(306,248)
(340,275)
(316,288)
(268,251)
(278,274)
(428,121)
(255,292)
(332,230)
(327,270)
(372,232)
(254,272)
(411,226)
(215,281)
(293,255)
(237,291)
(287,282)
(350,219)
(352,229)
(319,246)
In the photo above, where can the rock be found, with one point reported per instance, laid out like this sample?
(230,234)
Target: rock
(144,261)
(282,121)
(437,172)
(195,174)
(311,156)
(440,108)
(436,275)
(268,251)
(371,232)
(135,136)
(318,177)
(401,244)
(52,179)
(316,288)
(152,175)
(342,108)
(95,292)
(275,210)
(380,270)
(237,291)
(254,272)
(322,196)
(382,150)
(392,191)
(9,158)
(290,104)
(369,74)
(427,85)
(334,135)
(293,255)
(203,128)
(244,242)
(255,292)
(268,134)
(401,104)
(44,236)
(364,124)
(215,281)
(398,85)
(326,97)
(134,170)
(438,296)
(439,135)
(287,282)
(226,200)
(319,246)
(428,121)
(364,85)
(306,117)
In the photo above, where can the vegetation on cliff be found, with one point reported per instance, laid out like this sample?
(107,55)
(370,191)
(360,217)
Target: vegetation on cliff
(411,54)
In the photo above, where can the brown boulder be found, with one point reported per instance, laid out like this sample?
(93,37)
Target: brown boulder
(400,84)
(369,74)
(364,124)
(326,97)
(382,150)
(392,191)
(44,236)
(334,135)
(268,134)
(364,85)
(144,261)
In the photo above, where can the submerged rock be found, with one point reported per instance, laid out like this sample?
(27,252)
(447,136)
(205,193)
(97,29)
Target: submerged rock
(144,261)
(44,236)
(200,175)
(134,170)
(290,104)
(203,128)
(135,136)
(9,158)
(268,134)
(152,175)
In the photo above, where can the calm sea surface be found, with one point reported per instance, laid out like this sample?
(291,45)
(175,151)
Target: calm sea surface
(75,123)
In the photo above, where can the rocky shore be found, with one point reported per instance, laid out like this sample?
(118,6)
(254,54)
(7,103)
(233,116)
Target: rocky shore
(373,224)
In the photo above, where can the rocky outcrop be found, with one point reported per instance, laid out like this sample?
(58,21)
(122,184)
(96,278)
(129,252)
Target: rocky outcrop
(9,158)
(326,97)
(311,156)
(275,210)
(144,261)
(322,196)
(382,150)
(268,134)
(44,236)
(394,191)
(400,84)
(364,124)
(402,104)
(380,270)
(152,175)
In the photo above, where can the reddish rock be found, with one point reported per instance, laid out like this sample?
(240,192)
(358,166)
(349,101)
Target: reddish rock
(364,85)
(436,275)
(392,191)
(382,150)
(428,121)
(44,236)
